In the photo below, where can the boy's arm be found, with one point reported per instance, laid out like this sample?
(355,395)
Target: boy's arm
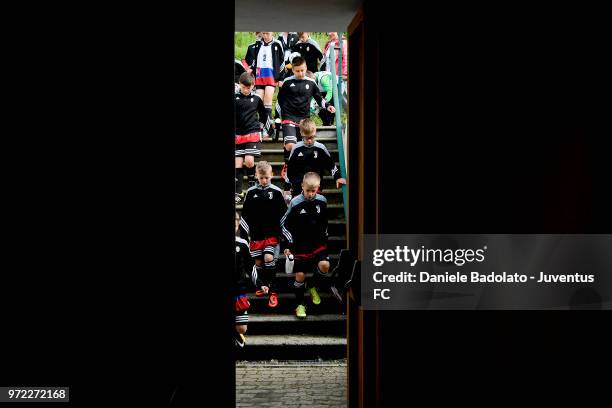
(324,222)
(286,226)
(279,61)
(247,262)
(326,84)
(330,164)
(291,165)
(316,94)
(249,58)
(280,98)
(244,218)
(316,49)
(281,205)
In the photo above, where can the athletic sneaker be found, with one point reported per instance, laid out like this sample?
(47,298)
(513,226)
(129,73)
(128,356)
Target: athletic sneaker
(273,300)
(314,296)
(300,312)
(239,340)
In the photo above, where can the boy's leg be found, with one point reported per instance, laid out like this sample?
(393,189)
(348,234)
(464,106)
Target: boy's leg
(249,162)
(241,327)
(327,118)
(268,97)
(320,277)
(258,276)
(270,272)
(277,121)
(298,288)
(290,138)
(239,174)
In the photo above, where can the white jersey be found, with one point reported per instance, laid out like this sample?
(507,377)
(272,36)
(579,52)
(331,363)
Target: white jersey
(264,58)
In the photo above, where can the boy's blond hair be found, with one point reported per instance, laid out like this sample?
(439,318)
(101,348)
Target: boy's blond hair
(308,127)
(263,167)
(311,179)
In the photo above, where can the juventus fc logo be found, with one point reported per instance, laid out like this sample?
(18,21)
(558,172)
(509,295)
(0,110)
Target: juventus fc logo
(318,209)
(315,154)
(270,193)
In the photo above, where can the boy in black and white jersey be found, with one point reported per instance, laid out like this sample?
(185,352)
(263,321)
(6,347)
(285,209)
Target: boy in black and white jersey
(304,227)
(263,209)
(251,115)
(294,101)
(309,155)
(268,61)
(242,271)
(310,50)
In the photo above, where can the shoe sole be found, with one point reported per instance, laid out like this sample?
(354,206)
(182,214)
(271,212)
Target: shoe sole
(270,304)
(313,301)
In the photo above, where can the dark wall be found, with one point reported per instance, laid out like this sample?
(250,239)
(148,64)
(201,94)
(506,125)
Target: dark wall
(491,121)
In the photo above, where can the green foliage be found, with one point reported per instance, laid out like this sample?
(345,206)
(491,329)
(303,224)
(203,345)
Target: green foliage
(243,39)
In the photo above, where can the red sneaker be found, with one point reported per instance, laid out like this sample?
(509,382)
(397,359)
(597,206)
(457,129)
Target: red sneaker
(273,300)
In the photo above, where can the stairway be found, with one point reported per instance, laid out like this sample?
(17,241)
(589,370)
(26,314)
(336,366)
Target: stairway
(276,334)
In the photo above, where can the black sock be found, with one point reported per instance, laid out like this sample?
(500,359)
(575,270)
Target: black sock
(286,154)
(239,177)
(250,172)
(269,110)
(257,277)
(270,272)
(319,279)
(298,288)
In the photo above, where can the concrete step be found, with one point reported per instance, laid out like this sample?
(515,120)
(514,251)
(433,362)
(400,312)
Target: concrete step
(329,324)
(283,283)
(277,165)
(335,211)
(287,304)
(333,195)
(329,141)
(292,347)
(326,184)
(278,155)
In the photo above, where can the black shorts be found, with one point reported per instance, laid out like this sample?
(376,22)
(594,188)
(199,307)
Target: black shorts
(250,148)
(263,86)
(310,264)
(241,317)
(291,133)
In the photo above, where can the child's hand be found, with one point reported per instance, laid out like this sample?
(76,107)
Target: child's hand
(287,252)
(265,289)
(340,181)
(331,109)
